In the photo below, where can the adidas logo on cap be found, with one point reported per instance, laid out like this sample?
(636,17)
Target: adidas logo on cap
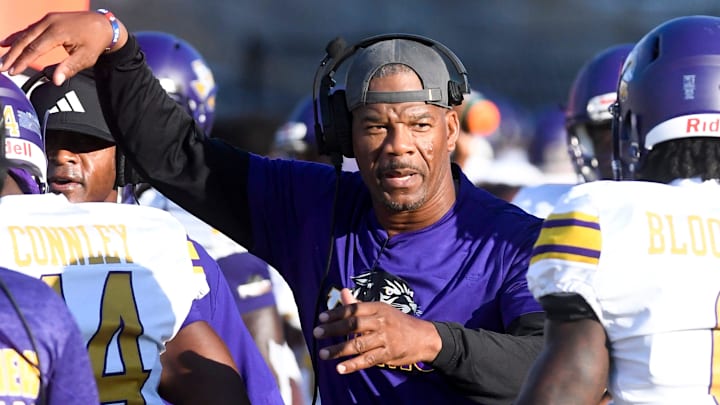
(69,103)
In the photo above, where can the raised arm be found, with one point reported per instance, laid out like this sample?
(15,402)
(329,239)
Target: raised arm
(205,176)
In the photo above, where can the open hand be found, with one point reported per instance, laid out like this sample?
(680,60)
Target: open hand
(85,35)
(379,334)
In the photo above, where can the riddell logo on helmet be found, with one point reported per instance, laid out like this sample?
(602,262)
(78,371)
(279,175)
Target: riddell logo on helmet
(699,125)
(17,148)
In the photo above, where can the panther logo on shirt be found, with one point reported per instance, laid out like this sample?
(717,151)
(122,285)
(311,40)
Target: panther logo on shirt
(379,285)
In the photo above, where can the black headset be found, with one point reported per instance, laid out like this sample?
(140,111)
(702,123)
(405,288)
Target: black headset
(125,175)
(333,132)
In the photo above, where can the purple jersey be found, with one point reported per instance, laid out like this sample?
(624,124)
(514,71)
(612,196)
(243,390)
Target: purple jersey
(64,362)
(469,267)
(218,309)
(249,279)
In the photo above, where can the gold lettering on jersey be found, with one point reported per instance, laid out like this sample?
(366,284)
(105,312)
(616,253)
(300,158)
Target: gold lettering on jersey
(110,235)
(121,231)
(19,378)
(698,242)
(94,256)
(714,229)
(40,254)
(683,235)
(68,246)
(22,260)
(55,245)
(74,246)
(674,248)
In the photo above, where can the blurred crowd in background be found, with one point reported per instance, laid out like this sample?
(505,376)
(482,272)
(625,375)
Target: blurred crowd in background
(521,55)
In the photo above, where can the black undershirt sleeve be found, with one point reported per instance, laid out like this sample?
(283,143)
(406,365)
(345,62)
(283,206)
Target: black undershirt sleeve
(206,176)
(566,307)
(489,367)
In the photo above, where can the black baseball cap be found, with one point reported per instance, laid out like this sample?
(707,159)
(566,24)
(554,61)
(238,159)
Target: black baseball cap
(72,106)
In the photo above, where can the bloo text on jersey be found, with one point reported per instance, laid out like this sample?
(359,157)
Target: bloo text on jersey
(683,235)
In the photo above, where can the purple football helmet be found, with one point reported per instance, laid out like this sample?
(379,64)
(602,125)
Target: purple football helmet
(669,89)
(548,146)
(183,73)
(587,116)
(296,137)
(23,141)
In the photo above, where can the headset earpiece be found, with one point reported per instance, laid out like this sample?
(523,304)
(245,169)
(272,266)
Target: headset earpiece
(125,175)
(455,94)
(342,123)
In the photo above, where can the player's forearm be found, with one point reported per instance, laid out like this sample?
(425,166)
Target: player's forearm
(572,368)
(197,368)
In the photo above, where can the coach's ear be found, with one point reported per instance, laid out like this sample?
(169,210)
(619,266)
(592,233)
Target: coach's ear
(453,129)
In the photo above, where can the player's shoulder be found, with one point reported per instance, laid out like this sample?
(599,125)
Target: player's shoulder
(541,190)
(57,204)
(540,199)
(488,216)
(629,187)
(610,192)
(145,217)
(504,213)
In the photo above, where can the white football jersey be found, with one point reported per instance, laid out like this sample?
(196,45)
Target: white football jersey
(215,243)
(646,258)
(218,246)
(124,271)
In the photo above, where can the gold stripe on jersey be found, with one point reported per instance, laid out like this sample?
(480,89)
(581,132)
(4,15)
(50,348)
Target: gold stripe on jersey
(194,255)
(576,215)
(572,236)
(715,367)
